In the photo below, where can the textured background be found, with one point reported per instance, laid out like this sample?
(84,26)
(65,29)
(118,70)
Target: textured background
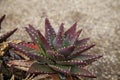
(100,20)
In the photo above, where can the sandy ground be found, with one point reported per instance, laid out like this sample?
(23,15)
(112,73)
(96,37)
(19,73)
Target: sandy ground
(100,20)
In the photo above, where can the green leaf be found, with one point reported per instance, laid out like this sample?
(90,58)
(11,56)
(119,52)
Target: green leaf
(60,68)
(40,68)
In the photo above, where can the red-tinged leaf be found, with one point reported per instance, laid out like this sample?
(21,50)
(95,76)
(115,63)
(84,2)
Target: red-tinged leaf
(81,50)
(66,50)
(61,68)
(6,35)
(54,55)
(70,32)
(49,31)
(76,36)
(78,71)
(58,41)
(81,42)
(27,51)
(36,38)
(71,62)
(38,68)
(1,20)
(29,45)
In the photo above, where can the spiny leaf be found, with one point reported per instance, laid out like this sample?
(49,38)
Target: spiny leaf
(36,38)
(71,62)
(81,50)
(89,58)
(1,20)
(37,68)
(81,42)
(76,36)
(61,68)
(49,31)
(33,33)
(54,55)
(66,50)
(45,44)
(69,33)
(58,41)
(6,35)
(78,71)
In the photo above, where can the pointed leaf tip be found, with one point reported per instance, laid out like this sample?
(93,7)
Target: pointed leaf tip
(66,50)
(78,71)
(1,20)
(80,51)
(58,41)
(91,58)
(49,31)
(76,36)
(82,41)
(71,30)
(7,35)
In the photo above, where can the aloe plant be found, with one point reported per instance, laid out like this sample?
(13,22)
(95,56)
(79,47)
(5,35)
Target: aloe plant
(61,53)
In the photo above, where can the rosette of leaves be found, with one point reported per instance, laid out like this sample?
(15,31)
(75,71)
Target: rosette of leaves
(61,53)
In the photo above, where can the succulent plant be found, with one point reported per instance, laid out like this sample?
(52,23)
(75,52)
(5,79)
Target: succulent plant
(61,53)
